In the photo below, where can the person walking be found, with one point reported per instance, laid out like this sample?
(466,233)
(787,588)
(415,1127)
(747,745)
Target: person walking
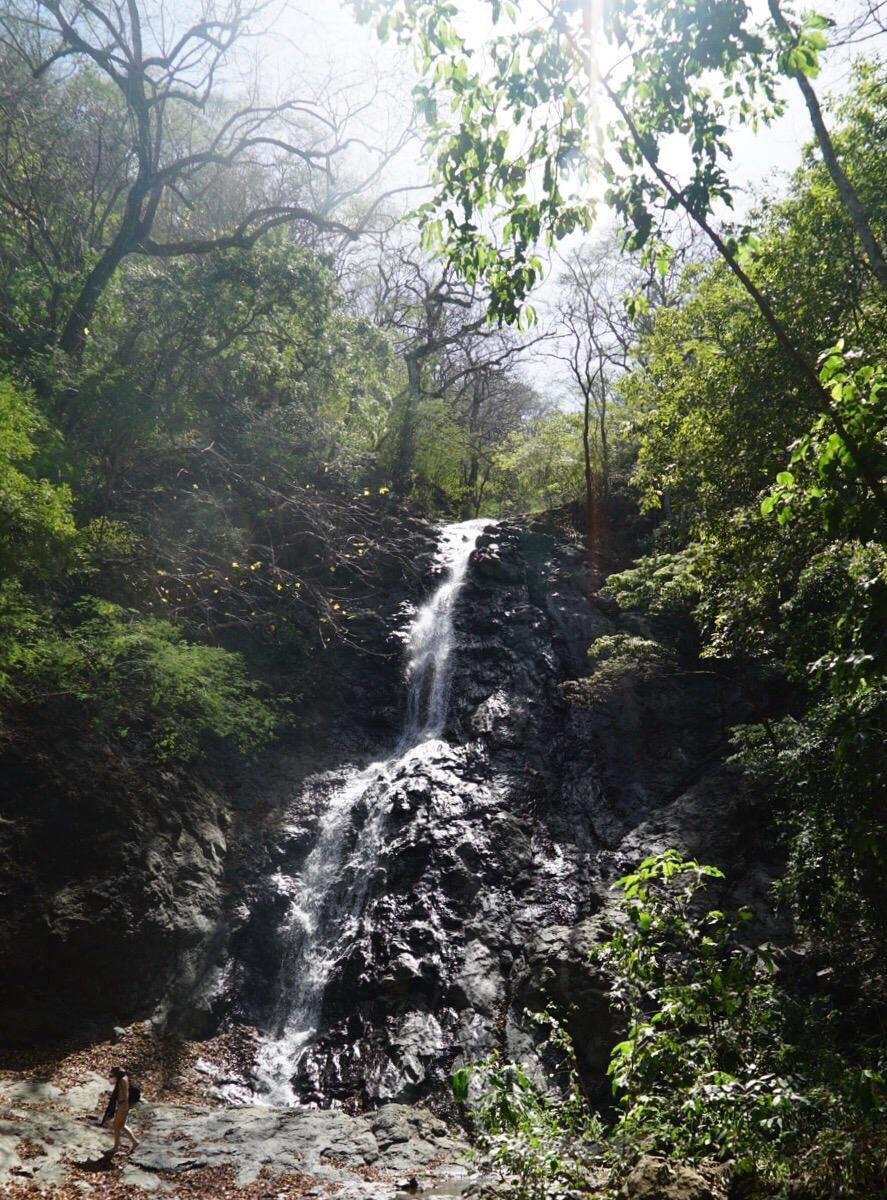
(118,1108)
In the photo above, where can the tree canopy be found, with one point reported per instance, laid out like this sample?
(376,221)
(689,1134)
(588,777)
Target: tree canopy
(232,366)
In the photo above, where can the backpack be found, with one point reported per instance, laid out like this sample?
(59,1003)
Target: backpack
(135,1095)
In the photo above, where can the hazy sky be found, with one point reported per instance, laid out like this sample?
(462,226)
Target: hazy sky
(316,42)
(320,38)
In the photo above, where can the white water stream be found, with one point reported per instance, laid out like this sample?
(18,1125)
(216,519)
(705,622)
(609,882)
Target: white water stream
(328,896)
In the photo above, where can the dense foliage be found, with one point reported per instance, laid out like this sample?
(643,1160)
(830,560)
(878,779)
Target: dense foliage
(775,546)
(716,1063)
(753,411)
(218,397)
(59,643)
(211,391)
(778,534)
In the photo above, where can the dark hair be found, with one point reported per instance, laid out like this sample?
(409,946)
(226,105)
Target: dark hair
(117,1072)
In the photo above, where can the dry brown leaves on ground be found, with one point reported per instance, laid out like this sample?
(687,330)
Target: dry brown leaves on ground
(164,1067)
(105,1182)
(27,1149)
(369,1174)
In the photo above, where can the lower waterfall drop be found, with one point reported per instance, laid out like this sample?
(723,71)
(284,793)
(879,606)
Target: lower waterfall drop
(329,894)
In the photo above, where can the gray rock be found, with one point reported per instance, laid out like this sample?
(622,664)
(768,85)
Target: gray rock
(177,1139)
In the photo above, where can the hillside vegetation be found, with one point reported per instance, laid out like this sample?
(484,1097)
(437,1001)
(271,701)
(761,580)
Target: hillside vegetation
(227,372)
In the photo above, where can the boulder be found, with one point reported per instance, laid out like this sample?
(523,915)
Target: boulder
(659,1179)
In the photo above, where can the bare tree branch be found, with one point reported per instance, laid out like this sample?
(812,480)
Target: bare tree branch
(184,139)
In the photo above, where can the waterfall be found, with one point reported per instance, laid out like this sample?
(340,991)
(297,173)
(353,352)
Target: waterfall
(327,899)
(430,639)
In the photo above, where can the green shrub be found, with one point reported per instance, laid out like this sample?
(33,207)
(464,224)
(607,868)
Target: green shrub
(660,584)
(134,678)
(719,1062)
(617,658)
(35,515)
(538,1144)
(701,1070)
(139,679)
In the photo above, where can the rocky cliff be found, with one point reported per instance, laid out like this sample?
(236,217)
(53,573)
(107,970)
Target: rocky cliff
(501,839)
(498,841)
(121,883)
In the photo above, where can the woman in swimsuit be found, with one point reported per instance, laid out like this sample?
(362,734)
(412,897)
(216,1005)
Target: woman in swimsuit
(118,1108)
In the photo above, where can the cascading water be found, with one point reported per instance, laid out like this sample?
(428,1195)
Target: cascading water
(327,899)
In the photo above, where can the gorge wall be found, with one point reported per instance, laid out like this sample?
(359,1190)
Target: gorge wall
(496,830)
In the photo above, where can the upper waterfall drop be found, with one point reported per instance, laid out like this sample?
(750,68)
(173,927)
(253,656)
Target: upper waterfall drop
(328,897)
(430,638)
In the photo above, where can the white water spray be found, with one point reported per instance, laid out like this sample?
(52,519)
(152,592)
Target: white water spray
(328,896)
(430,640)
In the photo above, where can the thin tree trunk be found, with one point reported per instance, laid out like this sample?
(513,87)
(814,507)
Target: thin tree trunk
(482,489)
(603,507)
(474,458)
(590,506)
(406,437)
(73,335)
(867,469)
(846,190)
(605,445)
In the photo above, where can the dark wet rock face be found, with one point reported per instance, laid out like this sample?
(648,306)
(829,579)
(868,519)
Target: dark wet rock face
(466,882)
(110,901)
(499,842)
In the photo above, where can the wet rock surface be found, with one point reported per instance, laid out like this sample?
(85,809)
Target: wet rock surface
(500,841)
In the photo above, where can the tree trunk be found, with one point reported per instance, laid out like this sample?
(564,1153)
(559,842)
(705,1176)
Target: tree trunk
(590,506)
(603,492)
(402,467)
(605,445)
(472,502)
(482,489)
(73,336)
(846,190)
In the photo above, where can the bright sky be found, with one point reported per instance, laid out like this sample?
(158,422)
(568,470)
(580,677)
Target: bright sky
(318,40)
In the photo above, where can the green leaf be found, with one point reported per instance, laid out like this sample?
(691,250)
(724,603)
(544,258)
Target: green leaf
(460,1081)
